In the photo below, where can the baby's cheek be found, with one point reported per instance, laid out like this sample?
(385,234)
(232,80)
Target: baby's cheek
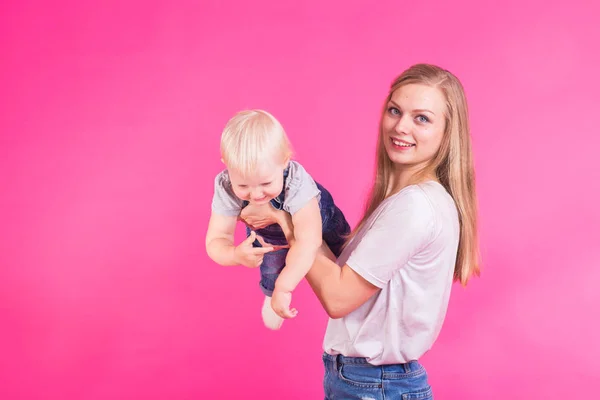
(240,194)
(273,193)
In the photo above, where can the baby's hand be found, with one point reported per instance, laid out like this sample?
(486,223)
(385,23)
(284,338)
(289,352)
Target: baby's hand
(249,256)
(280,303)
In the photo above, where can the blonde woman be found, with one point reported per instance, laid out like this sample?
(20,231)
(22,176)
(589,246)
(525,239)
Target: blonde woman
(419,233)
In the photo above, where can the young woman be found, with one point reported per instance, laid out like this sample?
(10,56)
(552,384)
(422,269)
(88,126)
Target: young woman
(388,292)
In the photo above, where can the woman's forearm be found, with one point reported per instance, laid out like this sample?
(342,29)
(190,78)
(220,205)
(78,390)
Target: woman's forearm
(284,220)
(324,277)
(339,289)
(298,262)
(325,280)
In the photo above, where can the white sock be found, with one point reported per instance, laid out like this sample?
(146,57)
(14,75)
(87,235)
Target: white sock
(270,319)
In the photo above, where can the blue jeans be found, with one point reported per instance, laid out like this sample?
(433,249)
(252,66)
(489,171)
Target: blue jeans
(354,378)
(335,230)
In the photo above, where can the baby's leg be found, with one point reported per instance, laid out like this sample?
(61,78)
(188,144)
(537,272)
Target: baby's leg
(270,269)
(335,225)
(336,231)
(270,319)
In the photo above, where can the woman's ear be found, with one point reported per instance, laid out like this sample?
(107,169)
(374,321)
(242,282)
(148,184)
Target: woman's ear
(223,161)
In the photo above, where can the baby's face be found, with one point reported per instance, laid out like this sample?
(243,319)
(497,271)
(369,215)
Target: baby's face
(260,187)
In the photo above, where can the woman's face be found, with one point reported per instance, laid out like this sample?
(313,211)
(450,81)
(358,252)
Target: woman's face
(413,124)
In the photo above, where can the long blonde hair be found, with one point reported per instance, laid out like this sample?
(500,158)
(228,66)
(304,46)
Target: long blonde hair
(452,164)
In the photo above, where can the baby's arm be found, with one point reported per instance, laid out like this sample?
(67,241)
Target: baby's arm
(220,247)
(308,233)
(219,239)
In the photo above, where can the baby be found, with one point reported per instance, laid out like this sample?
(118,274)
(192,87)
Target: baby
(259,172)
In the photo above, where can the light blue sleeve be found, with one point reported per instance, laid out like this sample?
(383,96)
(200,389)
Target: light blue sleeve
(300,188)
(225,202)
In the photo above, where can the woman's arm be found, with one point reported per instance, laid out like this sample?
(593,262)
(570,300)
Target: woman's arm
(402,229)
(340,290)
(307,240)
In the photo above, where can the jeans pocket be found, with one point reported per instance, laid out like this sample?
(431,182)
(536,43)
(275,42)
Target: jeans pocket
(422,394)
(360,376)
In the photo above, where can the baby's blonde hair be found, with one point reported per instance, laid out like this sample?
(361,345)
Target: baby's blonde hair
(251,138)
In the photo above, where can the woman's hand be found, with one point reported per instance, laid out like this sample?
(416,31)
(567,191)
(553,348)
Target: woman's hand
(260,216)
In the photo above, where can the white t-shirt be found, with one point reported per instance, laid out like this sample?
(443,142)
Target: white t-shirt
(408,249)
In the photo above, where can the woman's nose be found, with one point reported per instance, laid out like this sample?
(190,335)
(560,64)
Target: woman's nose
(402,126)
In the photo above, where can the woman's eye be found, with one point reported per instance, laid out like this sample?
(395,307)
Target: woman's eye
(422,119)
(394,111)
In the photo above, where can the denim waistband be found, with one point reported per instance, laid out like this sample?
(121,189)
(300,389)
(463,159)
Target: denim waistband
(340,360)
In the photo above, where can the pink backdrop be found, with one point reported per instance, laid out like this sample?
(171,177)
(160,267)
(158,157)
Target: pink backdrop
(110,123)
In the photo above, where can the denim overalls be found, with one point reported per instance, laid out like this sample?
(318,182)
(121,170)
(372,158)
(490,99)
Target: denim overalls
(335,229)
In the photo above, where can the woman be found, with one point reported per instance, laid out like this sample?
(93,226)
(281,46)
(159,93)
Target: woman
(388,300)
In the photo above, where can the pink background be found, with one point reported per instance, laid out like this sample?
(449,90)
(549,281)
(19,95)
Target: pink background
(110,123)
